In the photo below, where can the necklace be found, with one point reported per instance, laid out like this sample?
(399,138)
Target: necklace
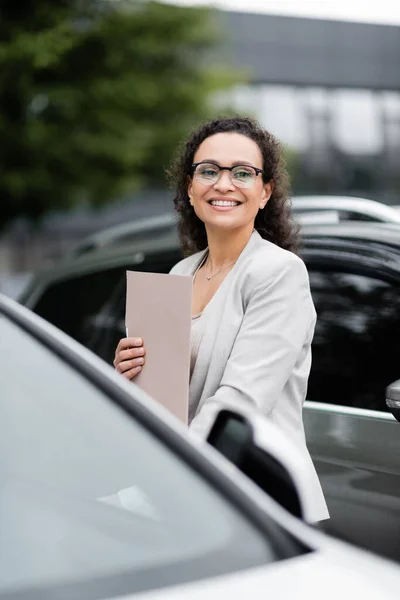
(208,277)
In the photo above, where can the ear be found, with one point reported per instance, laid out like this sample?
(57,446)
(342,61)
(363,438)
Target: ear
(190,189)
(268,189)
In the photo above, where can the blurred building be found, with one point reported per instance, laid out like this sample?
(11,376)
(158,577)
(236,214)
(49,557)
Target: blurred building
(331,91)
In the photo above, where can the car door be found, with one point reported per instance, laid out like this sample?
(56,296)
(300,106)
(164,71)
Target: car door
(99,497)
(354,441)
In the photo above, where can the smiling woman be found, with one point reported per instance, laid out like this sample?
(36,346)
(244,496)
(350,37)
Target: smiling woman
(232,150)
(252,315)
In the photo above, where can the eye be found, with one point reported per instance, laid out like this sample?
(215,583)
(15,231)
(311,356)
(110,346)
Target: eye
(243,173)
(207,170)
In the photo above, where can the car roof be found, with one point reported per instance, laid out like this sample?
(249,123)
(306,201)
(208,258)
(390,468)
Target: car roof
(310,209)
(165,238)
(307,209)
(166,242)
(132,231)
(383,233)
(361,208)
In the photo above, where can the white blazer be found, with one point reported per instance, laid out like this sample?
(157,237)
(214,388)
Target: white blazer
(256,346)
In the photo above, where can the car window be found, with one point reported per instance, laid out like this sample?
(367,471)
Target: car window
(103,330)
(88,494)
(70,304)
(84,306)
(356,346)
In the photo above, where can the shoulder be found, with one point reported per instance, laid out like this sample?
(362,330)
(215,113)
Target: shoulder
(271,274)
(187,265)
(268,263)
(274,276)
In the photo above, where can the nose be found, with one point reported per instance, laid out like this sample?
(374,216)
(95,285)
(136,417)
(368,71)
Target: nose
(224,183)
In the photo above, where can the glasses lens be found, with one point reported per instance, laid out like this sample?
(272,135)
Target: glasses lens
(207,173)
(243,176)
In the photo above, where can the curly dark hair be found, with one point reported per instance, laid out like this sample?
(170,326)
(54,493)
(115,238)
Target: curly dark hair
(274,222)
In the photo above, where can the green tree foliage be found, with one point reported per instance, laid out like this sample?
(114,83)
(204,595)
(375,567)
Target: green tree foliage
(95,96)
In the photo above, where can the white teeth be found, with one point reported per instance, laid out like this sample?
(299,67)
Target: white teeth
(224,203)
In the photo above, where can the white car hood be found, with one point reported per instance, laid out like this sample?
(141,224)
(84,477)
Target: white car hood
(328,575)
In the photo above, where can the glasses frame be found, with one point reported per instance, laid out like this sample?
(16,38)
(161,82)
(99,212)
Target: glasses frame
(230,169)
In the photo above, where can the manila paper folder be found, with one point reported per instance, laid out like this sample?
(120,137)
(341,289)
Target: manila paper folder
(159,310)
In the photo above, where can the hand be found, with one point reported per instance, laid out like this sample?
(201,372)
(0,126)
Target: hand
(129,357)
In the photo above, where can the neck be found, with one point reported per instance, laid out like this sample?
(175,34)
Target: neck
(225,246)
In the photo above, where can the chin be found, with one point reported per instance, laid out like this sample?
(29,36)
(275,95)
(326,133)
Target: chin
(224,222)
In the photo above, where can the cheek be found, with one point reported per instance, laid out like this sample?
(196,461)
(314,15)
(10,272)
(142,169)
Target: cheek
(197,190)
(255,200)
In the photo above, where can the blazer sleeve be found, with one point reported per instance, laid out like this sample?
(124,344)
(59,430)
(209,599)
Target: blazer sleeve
(278,322)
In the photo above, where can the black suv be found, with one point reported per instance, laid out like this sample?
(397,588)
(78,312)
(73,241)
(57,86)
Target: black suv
(354,273)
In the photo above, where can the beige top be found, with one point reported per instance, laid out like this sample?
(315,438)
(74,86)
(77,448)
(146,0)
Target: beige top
(196,332)
(196,335)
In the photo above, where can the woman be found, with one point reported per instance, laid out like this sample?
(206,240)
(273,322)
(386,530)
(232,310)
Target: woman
(252,316)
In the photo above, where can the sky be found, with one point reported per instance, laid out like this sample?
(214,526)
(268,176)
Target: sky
(366,11)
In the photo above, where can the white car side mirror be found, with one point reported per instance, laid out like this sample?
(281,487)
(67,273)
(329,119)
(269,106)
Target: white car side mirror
(393,399)
(262,452)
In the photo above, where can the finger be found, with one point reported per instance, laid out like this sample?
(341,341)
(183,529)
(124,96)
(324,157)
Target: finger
(131,353)
(132,373)
(126,365)
(128,355)
(126,343)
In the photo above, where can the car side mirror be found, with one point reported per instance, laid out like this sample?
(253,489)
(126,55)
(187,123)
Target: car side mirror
(262,452)
(393,399)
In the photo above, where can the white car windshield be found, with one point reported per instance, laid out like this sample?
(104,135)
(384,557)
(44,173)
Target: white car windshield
(89,495)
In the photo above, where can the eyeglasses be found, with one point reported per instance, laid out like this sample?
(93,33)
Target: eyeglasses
(242,176)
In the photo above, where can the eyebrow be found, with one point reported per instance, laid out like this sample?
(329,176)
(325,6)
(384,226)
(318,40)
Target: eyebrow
(234,164)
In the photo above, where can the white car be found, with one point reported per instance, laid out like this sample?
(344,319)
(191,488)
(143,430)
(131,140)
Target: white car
(106,495)
(333,209)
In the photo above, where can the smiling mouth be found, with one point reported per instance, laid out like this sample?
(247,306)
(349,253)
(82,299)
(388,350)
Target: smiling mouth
(224,203)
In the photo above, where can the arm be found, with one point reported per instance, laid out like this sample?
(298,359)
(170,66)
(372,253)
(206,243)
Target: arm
(278,321)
